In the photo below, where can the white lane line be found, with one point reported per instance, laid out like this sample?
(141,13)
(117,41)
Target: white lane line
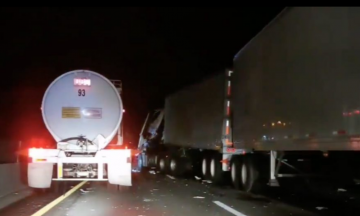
(228,208)
(170,177)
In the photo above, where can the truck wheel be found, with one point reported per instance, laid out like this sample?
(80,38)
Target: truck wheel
(235,172)
(178,166)
(162,165)
(216,172)
(174,166)
(205,168)
(249,175)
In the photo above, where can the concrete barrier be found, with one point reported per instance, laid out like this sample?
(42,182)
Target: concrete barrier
(12,178)
(8,151)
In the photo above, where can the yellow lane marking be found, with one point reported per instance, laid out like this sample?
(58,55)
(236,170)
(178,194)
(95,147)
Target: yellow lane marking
(51,205)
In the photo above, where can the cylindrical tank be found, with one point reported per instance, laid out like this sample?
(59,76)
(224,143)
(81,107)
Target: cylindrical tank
(82,103)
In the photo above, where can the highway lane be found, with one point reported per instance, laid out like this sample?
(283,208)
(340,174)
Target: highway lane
(36,200)
(152,195)
(155,194)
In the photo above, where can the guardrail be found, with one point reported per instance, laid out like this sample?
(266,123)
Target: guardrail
(13,167)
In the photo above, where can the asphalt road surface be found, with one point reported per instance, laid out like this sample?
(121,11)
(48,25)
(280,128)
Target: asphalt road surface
(153,195)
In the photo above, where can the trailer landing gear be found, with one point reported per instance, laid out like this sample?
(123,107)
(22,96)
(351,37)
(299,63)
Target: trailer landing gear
(273,182)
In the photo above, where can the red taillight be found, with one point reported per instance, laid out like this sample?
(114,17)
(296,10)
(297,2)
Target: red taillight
(35,152)
(226,161)
(115,146)
(232,150)
(37,155)
(341,132)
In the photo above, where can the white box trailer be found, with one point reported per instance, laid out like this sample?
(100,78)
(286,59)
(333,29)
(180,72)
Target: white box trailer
(289,107)
(83,111)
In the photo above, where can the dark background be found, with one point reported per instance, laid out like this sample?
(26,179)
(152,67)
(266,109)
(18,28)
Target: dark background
(153,51)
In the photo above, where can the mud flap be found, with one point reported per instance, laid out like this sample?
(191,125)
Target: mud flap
(40,175)
(119,167)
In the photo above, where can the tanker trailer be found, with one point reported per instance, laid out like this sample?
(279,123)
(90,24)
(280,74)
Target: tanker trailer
(82,110)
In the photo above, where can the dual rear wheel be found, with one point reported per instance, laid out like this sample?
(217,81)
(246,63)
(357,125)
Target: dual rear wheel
(243,171)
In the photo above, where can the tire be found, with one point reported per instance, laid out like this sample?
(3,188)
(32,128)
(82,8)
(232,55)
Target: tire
(235,170)
(178,166)
(244,174)
(205,168)
(162,165)
(215,169)
(249,175)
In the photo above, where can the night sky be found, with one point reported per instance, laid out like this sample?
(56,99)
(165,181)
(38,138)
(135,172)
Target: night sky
(154,51)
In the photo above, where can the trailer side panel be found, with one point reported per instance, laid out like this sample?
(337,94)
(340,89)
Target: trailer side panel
(299,78)
(194,115)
